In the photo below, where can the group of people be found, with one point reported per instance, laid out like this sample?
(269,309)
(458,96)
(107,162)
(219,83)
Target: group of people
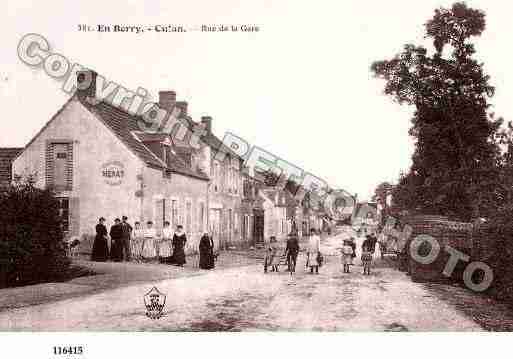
(147,244)
(349,253)
(314,256)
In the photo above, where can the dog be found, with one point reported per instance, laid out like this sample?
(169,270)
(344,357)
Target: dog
(73,246)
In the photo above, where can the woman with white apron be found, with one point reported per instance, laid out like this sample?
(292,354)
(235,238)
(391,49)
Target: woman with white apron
(165,244)
(148,250)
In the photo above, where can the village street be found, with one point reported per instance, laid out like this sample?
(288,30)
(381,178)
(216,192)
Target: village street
(245,298)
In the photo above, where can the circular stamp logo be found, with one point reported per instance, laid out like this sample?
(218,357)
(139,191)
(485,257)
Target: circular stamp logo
(113,172)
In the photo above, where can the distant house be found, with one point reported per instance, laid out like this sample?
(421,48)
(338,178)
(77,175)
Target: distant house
(366,215)
(7,156)
(252,211)
(275,214)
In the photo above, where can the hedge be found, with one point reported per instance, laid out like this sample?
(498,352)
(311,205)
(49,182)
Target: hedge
(32,247)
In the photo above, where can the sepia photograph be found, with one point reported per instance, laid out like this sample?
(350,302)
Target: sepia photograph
(255,166)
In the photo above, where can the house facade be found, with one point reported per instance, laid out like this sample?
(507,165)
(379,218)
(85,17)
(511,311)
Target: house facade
(7,155)
(224,169)
(99,163)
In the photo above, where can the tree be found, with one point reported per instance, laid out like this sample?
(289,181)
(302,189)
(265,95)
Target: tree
(31,236)
(381,193)
(454,170)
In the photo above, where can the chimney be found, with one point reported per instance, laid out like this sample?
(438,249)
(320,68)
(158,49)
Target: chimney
(207,121)
(182,105)
(167,100)
(86,83)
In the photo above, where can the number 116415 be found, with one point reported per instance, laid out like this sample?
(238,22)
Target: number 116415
(68,350)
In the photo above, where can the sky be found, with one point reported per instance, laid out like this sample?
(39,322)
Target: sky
(300,87)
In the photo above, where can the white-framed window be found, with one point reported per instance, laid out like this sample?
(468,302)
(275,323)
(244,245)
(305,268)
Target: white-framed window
(217,177)
(174,208)
(188,216)
(201,217)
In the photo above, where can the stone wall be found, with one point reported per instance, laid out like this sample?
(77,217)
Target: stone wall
(457,235)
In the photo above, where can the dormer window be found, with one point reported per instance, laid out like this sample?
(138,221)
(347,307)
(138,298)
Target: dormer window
(165,146)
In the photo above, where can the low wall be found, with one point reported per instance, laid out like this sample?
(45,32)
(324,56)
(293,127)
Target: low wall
(457,235)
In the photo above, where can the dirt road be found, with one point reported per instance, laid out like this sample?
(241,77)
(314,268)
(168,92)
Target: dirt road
(245,298)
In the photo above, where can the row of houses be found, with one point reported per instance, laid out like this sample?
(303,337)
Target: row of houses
(99,163)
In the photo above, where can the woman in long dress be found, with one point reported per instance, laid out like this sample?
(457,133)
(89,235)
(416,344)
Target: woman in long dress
(206,252)
(165,244)
(116,241)
(100,247)
(148,250)
(179,240)
(314,250)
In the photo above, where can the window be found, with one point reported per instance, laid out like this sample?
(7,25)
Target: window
(217,175)
(201,218)
(188,217)
(230,223)
(60,165)
(174,212)
(64,213)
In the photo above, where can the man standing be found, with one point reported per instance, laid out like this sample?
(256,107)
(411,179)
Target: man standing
(292,250)
(127,232)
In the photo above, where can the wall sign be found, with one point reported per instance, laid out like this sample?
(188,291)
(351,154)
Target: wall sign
(113,173)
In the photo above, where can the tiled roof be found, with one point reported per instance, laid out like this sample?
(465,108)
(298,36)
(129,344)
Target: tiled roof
(124,126)
(7,155)
(212,140)
(147,137)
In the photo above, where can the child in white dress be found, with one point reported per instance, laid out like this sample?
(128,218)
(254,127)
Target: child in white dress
(347,255)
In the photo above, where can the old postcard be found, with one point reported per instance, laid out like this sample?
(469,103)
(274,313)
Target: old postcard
(242,166)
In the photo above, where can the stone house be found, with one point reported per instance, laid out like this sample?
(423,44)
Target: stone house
(224,169)
(99,163)
(279,215)
(252,211)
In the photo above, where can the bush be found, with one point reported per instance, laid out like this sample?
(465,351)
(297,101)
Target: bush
(499,236)
(32,247)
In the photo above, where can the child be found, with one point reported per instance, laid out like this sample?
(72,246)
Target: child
(271,259)
(366,256)
(347,255)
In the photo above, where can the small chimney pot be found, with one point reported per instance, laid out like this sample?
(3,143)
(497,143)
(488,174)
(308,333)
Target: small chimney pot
(207,121)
